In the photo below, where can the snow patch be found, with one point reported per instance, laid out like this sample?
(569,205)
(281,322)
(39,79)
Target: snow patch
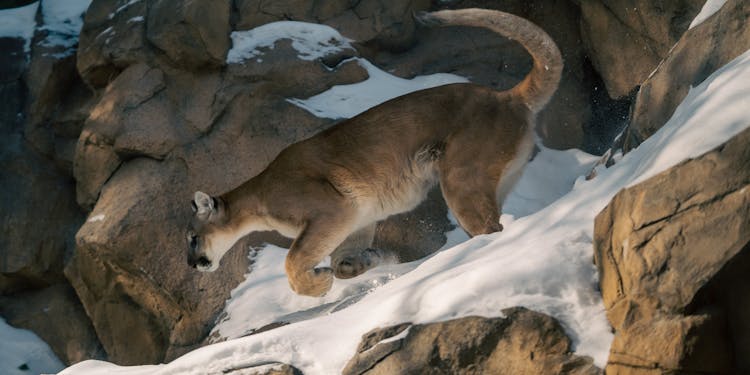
(19,23)
(121,8)
(63,21)
(708,10)
(96,218)
(311,41)
(346,101)
(22,353)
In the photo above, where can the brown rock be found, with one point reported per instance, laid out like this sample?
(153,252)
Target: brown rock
(273,368)
(113,37)
(129,267)
(626,40)
(37,218)
(524,342)
(56,315)
(671,254)
(701,51)
(193,34)
(387,23)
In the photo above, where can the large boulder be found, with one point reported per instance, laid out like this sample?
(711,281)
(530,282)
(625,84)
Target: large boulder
(523,342)
(701,51)
(37,218)
(113,37)
(130,272)
(626,40)
(192,33)
(673,255)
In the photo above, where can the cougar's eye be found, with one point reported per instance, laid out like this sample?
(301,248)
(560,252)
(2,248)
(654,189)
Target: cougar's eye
(192,240)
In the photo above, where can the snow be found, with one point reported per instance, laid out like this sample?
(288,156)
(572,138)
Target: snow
(542,260)
(22,353)
(96,218)
(310,40)
(346,101)
(19,23)
(121,8)
(708,10)
(63,21)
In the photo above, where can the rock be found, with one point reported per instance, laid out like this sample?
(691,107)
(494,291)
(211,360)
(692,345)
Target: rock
(524,342)
(113,37)
(273,368)
(673,254)
(13,91)
(130,271)
(56,315)
(386,23)
(192,33)
(37,217)
(701,51)
(626,40)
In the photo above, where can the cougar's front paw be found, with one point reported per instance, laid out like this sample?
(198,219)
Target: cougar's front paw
(313,283)
(356,264)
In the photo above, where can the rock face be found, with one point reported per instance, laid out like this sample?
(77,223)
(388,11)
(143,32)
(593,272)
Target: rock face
(702,50)
(626,40)
(524,342)
(148,110)
(673,255)
(56,315)
(37,217)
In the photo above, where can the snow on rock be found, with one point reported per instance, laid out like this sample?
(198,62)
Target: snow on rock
(542,261)
(346,101)
(22,352)
(708,10)
(121,8)
(19,23)
(311,40)
(63,21)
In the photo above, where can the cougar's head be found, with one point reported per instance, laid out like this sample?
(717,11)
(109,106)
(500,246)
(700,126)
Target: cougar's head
(206,237)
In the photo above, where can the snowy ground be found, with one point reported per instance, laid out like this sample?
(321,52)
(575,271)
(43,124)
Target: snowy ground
(542,260)
(23,353)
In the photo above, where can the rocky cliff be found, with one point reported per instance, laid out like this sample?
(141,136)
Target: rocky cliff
(106,136)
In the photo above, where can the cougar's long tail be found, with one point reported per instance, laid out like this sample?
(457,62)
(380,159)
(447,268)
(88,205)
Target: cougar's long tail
(538,86)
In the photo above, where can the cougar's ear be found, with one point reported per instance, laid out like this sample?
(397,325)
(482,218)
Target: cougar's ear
(203,204)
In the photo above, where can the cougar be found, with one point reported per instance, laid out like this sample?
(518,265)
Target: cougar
(327,192)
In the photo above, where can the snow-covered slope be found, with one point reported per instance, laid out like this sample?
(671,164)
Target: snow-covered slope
(22,353)
(542,260)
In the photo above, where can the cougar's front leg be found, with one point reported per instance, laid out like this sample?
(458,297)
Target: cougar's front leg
(316,241)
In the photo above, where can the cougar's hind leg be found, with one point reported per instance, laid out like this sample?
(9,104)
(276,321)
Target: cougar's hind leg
(356,255)
(319,239)
(471,198)
(469,183)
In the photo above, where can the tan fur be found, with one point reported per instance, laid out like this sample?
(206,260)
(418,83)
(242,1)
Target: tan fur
(328,191)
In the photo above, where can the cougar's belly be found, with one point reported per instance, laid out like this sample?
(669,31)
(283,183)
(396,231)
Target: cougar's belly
(401,192)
